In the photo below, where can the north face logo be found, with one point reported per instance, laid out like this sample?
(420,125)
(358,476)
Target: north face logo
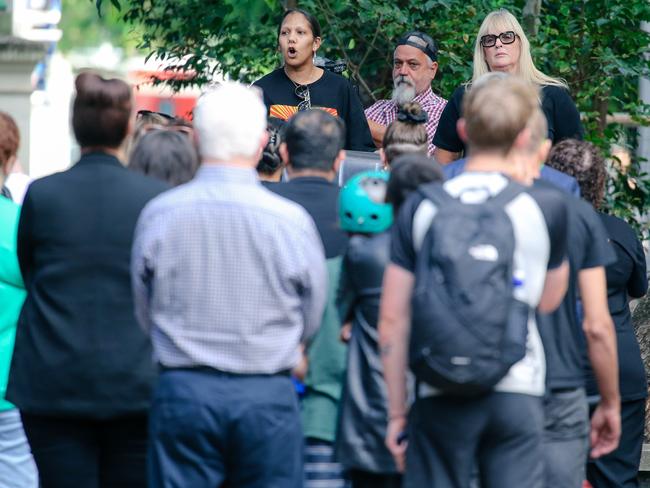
(484,252)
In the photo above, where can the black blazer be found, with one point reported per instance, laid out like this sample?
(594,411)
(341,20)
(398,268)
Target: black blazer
(79,350)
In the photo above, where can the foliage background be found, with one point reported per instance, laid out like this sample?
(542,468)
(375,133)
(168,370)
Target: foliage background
(596,45)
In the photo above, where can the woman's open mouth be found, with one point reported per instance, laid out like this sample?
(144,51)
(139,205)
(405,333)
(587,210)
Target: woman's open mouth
(291,52)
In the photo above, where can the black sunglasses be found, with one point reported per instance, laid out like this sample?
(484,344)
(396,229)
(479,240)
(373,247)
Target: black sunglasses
(302,92)
(507,37)
(144,113)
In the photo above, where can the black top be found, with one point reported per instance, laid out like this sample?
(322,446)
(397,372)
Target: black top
(561,113)
(79,350)
(561,331)
(625,277)
(331,92)
(320,198)
(363,411)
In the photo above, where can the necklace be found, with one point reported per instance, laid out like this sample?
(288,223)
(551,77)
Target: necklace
(302,92)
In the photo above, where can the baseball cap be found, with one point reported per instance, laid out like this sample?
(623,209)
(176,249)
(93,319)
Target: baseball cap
(420,41)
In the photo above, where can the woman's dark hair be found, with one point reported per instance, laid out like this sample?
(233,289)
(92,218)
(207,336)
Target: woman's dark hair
(271,161)
(407,173)
(165,154)
(311,20)
(101,111)
(583,161)
(407,134)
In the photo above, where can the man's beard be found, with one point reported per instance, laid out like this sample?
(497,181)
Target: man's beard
(404,90)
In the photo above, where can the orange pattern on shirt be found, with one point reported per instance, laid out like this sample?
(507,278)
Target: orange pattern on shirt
(285,112)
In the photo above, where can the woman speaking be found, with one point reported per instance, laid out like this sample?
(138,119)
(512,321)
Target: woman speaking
(301,85)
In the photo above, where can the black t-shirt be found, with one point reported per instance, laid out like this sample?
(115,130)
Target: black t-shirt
(320,198)
(625,276)
(561,114)
(561,332)
(331,92)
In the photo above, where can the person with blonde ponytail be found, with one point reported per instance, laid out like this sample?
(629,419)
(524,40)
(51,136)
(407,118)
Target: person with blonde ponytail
(502,46)
(407,134)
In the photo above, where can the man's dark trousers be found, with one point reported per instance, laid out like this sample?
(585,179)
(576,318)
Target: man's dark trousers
(208,427)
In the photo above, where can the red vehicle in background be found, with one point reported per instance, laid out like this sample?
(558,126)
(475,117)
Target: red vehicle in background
(161,98)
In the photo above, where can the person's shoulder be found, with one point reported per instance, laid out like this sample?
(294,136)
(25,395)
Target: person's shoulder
(555,93)
(587,215)
(9,211)
(364,248)
(334,78)
(335,82)
(412,203)
(286,212)
(458,94)
(617,228)
(282,188)
(50,183)
(270,79)
(172,200)
(147,183)
(550,199)
(453,169)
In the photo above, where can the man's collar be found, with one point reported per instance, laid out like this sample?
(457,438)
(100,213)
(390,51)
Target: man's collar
(228,174)
(308,173)
(420,97)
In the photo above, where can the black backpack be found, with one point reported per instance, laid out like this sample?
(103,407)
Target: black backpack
(467,329)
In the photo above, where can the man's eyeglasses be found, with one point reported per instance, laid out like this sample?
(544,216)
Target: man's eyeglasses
(507,37)
(302,92)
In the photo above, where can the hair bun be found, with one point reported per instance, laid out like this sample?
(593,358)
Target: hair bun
(412,113)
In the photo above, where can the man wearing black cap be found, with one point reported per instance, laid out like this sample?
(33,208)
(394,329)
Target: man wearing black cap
(414,68)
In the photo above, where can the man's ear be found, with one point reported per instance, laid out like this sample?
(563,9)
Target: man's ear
(339,159)
(522,141)
(544,149)
(434,68)
(264,138)
(284,153)
(461,128)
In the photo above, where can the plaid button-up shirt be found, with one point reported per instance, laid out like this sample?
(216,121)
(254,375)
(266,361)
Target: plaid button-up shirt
(385,111)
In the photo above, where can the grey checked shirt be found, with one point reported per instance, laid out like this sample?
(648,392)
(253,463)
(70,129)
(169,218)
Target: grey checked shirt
(228,275)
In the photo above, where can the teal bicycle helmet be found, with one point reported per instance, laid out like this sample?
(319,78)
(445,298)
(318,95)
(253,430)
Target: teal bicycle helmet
(361,203)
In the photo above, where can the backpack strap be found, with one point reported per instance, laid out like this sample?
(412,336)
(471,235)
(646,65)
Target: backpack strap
(511,190)
(436,193)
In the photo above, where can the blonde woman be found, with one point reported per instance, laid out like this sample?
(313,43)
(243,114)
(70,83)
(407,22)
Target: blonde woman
(501,45)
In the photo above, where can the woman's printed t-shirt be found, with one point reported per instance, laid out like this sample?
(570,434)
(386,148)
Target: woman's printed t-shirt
(539,221)
(331,93)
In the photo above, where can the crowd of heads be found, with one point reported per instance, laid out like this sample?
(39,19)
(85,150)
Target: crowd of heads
(231,123)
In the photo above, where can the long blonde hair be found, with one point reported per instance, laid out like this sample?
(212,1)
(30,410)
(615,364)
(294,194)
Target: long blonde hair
(500,21)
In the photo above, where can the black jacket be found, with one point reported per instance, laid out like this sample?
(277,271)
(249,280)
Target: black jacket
(79,350)
(363,414)
(320,198)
